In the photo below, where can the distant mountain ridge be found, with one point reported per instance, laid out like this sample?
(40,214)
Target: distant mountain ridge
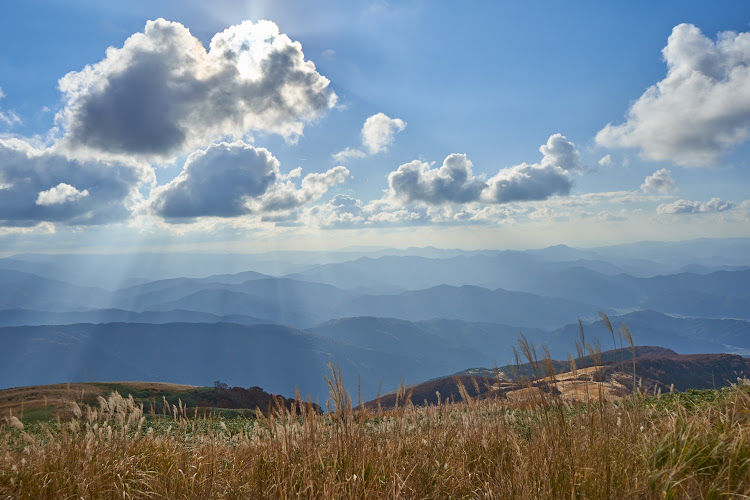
(278,358)
(656,370)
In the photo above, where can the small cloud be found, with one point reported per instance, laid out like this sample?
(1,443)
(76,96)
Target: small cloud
(378,133)
(659,182)
(294,173)
(680,207)
(8,117)
(62,193)
(605,161)
(348,154)
(328,53)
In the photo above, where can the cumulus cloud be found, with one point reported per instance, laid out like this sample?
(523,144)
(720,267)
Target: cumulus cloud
(8,117)
(559,152)
(605,161)
(695,207)
(379,130)
(62,193)
(44,185)
(454,181)
(286,196)
(230,180)
(659,182)
(378,133)
(163,93)
(699,110)
(551,176)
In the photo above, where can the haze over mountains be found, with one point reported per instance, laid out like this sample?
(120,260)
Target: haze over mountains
(274,320)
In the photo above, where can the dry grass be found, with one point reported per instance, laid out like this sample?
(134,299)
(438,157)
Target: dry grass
(57,399)
(540,448)
(543,446)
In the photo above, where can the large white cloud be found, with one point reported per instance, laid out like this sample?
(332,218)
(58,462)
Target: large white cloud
(700,110)
(44,185)
(162,93)
(695,207)
(454,181)
(660,181)
(230,180)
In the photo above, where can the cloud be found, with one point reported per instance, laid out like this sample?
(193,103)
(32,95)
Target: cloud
(528,183)
(8,117)
(659,182)
(379,131)
(700,110)
(231,180)
(605,161)
(559,152)
(162,93)
(62,193)
(348,154)
(695,207)
(341,211)
(286,196)
(41,185)
(454,181)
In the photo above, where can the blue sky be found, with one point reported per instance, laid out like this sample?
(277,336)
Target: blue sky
(441,106)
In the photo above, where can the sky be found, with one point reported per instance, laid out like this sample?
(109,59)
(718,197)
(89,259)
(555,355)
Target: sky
(288,124)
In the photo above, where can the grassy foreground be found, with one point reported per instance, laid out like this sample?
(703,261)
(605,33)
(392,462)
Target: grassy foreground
(681,445)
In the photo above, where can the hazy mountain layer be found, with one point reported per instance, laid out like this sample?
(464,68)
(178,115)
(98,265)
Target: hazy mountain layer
(277,358)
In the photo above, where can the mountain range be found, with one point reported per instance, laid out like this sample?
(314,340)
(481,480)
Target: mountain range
(381,314)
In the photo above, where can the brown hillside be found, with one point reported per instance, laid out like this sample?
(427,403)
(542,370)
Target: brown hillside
(48,402)
(656,369)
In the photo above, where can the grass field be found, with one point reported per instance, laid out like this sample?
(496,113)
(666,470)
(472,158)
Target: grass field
(681,445)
